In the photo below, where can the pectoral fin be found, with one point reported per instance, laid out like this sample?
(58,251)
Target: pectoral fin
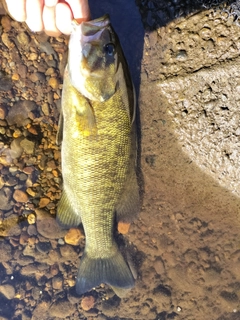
(66,216)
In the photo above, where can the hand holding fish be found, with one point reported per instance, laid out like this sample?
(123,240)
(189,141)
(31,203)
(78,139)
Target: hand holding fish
(52,16)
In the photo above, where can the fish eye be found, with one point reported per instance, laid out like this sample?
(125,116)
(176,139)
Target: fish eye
(109,49)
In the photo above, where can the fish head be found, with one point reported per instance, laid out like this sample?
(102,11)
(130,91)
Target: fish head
(93,59)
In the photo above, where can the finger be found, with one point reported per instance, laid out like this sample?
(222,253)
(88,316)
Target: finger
(51,3)
(63,18)
(17,9)
(49,21)
(34,14)
(80,9)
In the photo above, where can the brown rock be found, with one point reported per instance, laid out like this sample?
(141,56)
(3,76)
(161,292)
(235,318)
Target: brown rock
(61,309)
(87,303)
(6,23)
(8,291)
(54,83)
(57,283)
(43,202)
(123,227)
(3,112)
(47,225)
(20,196)
(73,236)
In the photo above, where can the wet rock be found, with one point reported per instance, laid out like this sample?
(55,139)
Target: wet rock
(6,23)
(20,196)
(32,230)
(19,112)
(16,149)
(159,266)
(23,39)
(43,202)
(87,303)
(10,227)
(43,247)
(74,236)
(68,252)
(3,112)
(8,291)
(57,283)
(61,309)
(123,227)
(5,252)
(5,82)
(28,146)
(54,83)
(41,311)
(47,226)
(109,305)
(5,199)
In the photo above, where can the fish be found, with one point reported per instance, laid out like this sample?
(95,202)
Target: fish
(97,133)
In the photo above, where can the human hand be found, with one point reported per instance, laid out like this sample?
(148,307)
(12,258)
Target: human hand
(52,16)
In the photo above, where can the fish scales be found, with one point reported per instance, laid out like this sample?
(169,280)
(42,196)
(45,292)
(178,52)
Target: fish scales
(98,160)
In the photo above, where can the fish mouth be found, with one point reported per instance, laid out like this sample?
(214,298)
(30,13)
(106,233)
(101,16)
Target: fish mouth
(89,28)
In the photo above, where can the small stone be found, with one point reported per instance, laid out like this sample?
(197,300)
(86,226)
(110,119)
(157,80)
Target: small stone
(8,43)
(27,145)
(47,226)
(87,303)
(43,247)
(33,56)
(6,23)
(20,196)
(68,252)
(31,192)
(54,83)
(159,266)
(45,109)
(123,227)
(18,113)
(5,199)
(49,71)
(32,230)
(15,77)
(5,252)
(43,202)
(3,112)
(23,39)
(61,309)
(16,149)
(8,291)
(73,237)
(57,283)
(31,218)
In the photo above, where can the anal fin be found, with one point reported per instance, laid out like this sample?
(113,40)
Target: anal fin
(66,216)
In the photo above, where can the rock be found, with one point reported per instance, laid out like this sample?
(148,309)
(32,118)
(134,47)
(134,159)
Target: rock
(18,113)
(68,252)
(23,39)
(43,202)
(73,237)
(10,227)
(57,283)
(54,83)
(3,112)
(8,291)
(45,109)
(6,23)
(87,303)
(43,247)
(123,227)
(31,218)
(159,266)
(16,149)
(5,199)
(5,252)
(20,196)
(47,226)
(28,146)
(41,311)
(32,230)
(61,309)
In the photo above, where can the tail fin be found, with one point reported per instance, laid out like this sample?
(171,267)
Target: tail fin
(112,271)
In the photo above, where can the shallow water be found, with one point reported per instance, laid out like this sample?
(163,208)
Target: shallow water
(185,245)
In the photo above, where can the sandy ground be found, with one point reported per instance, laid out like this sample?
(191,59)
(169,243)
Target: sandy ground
(185,244)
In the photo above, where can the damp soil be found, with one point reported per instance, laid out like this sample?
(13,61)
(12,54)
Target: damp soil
(185,244)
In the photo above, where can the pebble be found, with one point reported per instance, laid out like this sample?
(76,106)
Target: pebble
(20,196)
(61,309)
(16,149)
(159,266)
(32,230)
(23,39)
(43,202)
(74,236)
(5,200)
(57,283)
(43,247)
(87,303)
(18,113)
(31,218)
(10,227)
(54,83)
(45,109)
(3,112)
(123,227)
(6,23)
(68,252)
(5,252)
(47,225)
(8,291)
(28,146)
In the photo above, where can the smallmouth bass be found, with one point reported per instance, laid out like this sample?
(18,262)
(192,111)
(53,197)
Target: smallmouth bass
(97,133)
